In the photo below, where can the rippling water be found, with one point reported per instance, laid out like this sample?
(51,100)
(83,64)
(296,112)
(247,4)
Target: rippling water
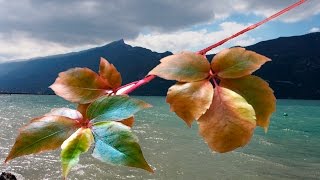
(290,150)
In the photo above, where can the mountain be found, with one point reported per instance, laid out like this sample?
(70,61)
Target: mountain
(35,75)
(292,73)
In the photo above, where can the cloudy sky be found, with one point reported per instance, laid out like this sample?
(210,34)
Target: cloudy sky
(31,28)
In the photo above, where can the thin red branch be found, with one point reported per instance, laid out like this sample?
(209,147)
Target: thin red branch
(129,84)
(205,50)
(215,82)
(139,83)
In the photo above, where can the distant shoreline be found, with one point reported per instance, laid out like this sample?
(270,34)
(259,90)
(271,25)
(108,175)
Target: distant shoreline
(55,94)
(132,95)
(2,93)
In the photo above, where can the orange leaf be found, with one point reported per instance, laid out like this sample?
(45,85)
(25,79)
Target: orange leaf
(110,74)
(258,93)
(128,122)
(79,85)
(82,108)
(190,100)
(229,123)
(183,67)
(236,62)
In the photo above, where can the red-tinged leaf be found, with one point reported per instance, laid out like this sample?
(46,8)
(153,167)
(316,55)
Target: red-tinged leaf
(183,67)
(128,122)
(78,143)
(79,85)
(42,134)
(82,108)
(236,62)
(190,100)
(110,74)
(66,112)
(258,93)
(229,123)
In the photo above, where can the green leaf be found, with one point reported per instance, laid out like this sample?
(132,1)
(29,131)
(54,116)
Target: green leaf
(66,112)
(115,144)
(236,62)
(190,100)
(229,123)
(79,142)
(183,67)
(110,74)
(79,85)
(258,93)
(42,134)
(114,108)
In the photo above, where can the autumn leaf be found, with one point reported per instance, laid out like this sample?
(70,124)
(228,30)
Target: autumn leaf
(82,108)
(42,134)
(190,100)
(258,93)
(78,143)
(66,112)
(229,123)
(115,144)
(236,62)
(79,85)
(114,108)
(183,67)
(128,122)
(110,74)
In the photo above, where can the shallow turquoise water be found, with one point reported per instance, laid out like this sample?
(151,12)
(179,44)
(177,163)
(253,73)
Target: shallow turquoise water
(290,150)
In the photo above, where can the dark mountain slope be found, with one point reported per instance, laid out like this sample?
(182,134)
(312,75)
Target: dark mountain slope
(293,73)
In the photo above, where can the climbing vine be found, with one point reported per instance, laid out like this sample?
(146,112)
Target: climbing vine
(223,97)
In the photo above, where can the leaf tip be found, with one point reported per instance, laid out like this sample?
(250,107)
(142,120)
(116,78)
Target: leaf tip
(266,130)
(51,86)
(189,124)
(7,160)
(147,105)
(10,156)
(149,169)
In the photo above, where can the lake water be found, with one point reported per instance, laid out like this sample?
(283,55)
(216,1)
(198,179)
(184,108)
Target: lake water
(290,150)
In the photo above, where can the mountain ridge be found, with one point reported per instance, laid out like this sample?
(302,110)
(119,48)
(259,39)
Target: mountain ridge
(295,62)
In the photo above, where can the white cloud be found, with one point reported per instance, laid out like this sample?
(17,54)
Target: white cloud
(21,46)
(314,29)
(40,28)
(192,40)
(267,8)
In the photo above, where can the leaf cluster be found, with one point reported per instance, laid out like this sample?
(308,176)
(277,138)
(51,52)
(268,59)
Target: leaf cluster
(223,97)
(102,121)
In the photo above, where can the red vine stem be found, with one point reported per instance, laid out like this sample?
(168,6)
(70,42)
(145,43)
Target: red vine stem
(148,78)
(204,51)
(138,84)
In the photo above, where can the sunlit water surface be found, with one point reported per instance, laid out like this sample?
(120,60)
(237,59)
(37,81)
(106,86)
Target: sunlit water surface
(290,150)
